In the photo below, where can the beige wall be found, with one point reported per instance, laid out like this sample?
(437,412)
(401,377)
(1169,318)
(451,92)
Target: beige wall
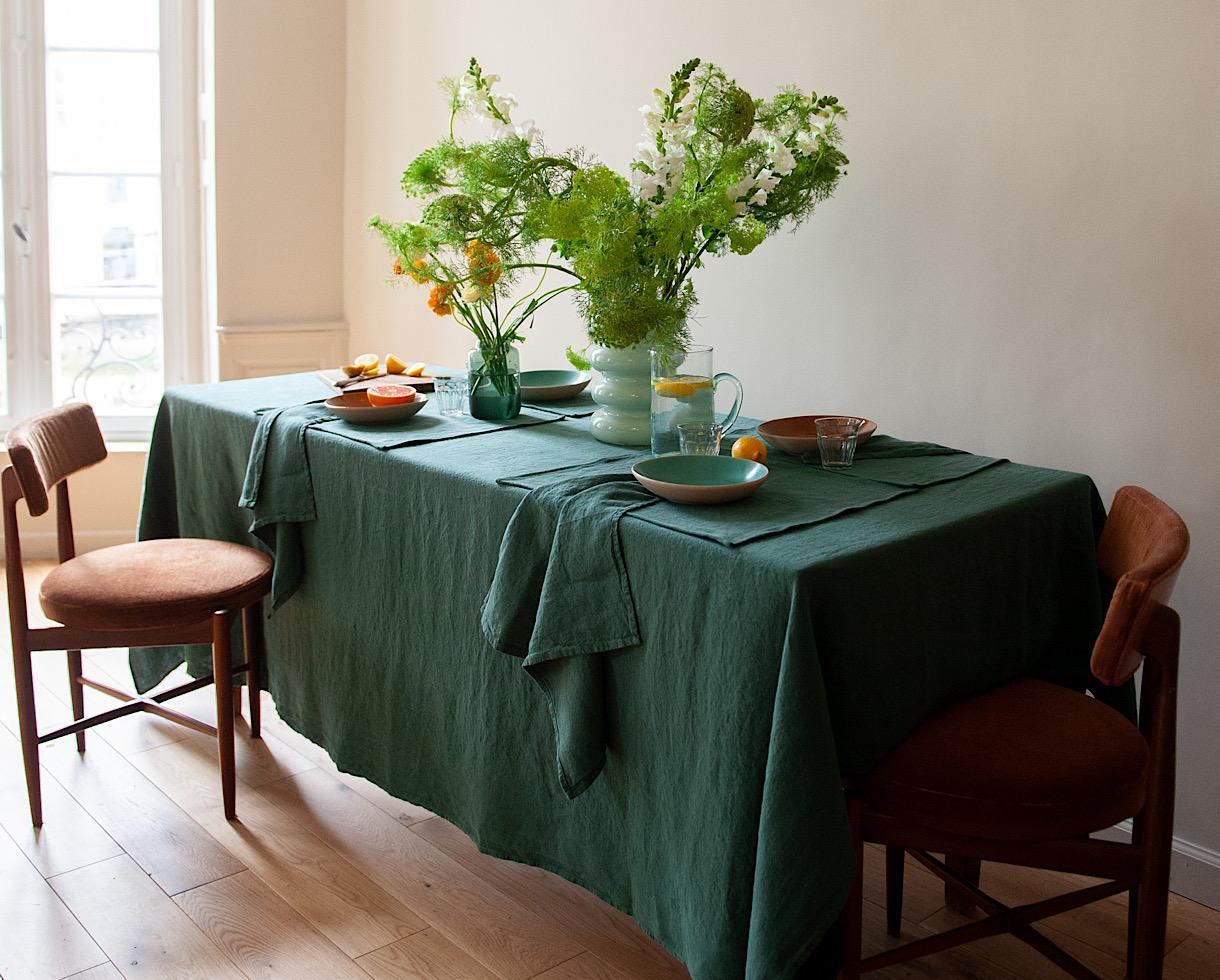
(279,160)
(1022,261)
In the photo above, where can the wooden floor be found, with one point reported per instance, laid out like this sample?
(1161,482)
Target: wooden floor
(136,873)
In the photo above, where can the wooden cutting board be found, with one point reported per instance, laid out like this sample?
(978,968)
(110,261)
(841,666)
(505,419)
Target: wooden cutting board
(423,384)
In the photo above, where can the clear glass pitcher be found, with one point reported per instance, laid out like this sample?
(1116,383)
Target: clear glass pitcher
(684,390)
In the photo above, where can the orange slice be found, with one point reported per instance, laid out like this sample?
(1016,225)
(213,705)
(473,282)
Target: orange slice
(681,385)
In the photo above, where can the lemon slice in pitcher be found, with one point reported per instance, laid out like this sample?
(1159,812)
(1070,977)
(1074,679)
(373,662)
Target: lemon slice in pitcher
(681,385)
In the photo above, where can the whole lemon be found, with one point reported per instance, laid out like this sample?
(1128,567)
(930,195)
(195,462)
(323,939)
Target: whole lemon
(747,447)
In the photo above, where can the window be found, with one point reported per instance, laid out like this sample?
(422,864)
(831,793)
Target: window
(102,197)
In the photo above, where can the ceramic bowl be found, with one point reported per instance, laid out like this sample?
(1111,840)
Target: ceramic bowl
(798,434)
(354,407)
(552,386)
(700,479)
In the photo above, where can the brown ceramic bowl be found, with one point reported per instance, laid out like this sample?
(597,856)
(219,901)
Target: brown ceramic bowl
(354,407)
(798,434)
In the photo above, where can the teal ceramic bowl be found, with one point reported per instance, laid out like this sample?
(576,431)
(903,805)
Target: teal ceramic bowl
(700,479)
(552,386)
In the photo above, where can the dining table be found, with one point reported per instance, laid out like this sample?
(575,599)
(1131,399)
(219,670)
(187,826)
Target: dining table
(659,703)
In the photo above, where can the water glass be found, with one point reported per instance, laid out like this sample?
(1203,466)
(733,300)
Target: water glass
(837,441)
(699,438)
(452,394)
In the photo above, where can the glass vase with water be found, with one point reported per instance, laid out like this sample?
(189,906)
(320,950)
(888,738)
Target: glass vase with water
(684,390)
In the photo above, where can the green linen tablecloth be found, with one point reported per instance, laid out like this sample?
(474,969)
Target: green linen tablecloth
(765,670)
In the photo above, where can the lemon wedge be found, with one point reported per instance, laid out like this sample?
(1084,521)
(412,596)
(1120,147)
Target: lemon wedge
(353,370)
(415,370)
(393,365)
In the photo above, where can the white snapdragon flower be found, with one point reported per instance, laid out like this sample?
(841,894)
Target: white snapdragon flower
(782,160)
(667,164)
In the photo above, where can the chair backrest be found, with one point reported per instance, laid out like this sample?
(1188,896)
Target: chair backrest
(51,446)
(1142,547)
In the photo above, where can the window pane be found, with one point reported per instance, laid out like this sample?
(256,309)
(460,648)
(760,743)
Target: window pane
(103,112)
(102,24)
(109,353)
(104,231)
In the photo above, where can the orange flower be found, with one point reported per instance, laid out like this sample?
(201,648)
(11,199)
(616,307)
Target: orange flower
(438,299)
(398,269)
(420,277)
(484,263)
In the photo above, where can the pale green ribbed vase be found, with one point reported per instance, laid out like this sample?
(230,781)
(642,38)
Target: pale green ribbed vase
(623,392)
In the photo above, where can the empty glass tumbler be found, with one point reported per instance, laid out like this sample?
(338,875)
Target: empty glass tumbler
(451,395)
(837,441)
(699,438)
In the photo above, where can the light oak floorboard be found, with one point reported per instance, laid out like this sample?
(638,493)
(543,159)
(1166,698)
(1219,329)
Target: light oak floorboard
(140,929)
(586,966)
(139,817)
(425,956)
(261,934)
(590,922)
(343,904)
(72,840)
(41,939)
(495,930)
(104,972)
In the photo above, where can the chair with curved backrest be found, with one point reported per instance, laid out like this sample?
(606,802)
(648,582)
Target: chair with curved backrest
(181,590)
(1023,774)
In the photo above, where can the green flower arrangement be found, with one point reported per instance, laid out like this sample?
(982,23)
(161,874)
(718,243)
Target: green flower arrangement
(475,238)
(718,172)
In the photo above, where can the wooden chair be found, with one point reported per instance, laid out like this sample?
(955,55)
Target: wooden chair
(1023,774)
(180,590)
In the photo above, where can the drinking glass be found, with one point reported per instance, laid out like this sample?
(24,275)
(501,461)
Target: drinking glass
(452,393)
(684,390)
(837,441)
(699,438)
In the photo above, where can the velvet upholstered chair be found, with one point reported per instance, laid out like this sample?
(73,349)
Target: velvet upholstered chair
(180,590)
(1023,774)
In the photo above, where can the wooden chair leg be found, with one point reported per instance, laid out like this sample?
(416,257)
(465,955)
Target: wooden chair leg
(1133,896)
(853,914)
(27,725)
(224,711)
(895,868)
(1151,906)
(968,868)
(78,694)
(255,643)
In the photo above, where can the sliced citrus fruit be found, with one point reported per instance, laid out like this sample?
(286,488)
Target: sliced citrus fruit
(393,365)
(747,447)
(681,385)
(365,361)
(353,370)
(391,394)
(415,370)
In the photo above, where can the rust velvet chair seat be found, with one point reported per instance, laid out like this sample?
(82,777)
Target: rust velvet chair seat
(1027,761)
(170,582)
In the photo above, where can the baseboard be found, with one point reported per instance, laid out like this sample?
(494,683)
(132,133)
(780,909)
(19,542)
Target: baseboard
(42,545)
(1195,870)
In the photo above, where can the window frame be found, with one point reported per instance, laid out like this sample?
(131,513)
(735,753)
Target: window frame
(185,111)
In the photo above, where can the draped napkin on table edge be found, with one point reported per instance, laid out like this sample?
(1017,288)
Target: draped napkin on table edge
(553,571)
(561,543)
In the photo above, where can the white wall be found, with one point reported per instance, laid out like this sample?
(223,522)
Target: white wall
(1024,259)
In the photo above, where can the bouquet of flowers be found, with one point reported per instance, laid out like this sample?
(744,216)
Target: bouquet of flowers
(473,242)
(717,172)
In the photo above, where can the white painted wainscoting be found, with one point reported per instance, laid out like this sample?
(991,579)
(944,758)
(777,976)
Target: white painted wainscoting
(253,350)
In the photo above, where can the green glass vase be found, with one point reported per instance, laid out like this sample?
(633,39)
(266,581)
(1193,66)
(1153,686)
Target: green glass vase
(495,383)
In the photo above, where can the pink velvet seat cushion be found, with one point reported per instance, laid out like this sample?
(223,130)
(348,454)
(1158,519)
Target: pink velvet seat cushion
(1027,761)
(170,582)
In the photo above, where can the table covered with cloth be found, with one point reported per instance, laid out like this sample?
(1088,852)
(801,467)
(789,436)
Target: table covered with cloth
(658,703)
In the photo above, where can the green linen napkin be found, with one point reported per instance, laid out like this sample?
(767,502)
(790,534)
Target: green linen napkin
(428,425)
(884,459)
(794,496)
(560,596)
(279,490)
(579,407)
